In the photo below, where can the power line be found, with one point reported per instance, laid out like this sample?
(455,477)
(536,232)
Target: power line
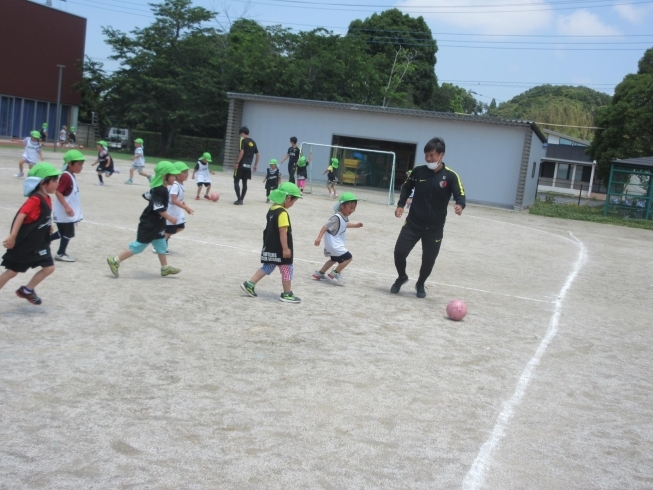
(452,12)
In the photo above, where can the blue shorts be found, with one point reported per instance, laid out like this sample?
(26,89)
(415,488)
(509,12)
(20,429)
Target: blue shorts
(160,245)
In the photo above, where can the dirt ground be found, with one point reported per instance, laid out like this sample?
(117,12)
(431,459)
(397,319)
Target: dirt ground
(186,382)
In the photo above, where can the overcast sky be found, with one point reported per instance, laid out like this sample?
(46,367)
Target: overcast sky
(497,48)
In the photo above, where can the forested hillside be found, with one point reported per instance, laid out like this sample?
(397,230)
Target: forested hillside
(566,105)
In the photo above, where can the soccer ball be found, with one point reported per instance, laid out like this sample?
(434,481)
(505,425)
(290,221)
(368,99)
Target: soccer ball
(214,196)
(456,309)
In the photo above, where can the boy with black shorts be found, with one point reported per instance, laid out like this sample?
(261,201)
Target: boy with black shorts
(272,179)
(152,225)
(203,173)
(67,205)
(105,162)
(28,245)
(176,204)
(277,243)
(334,240)
(243,169)
(302,171)
(332,179)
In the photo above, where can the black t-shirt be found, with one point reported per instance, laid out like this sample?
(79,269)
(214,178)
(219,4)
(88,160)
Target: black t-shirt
(293,156)
(33,240)
(152,225)
(248,145)
(272,252)
(272,177)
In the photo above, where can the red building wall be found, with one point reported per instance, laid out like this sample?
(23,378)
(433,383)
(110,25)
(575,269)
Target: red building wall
(34,39)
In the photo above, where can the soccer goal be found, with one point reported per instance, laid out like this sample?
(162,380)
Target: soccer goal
(370,174)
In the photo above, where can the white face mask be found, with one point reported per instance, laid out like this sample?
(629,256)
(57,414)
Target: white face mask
(433,165)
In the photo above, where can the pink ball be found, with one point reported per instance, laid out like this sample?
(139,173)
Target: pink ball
(456,309)
(214,197)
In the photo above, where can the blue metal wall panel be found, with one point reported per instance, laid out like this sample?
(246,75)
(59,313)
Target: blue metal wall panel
(29,107)
(4,117)
(42,116)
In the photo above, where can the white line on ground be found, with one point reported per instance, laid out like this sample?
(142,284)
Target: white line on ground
(476,474)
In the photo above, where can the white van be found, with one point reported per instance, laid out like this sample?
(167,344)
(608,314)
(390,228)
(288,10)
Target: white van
(117,138)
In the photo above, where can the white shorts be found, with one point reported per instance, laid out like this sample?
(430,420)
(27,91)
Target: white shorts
(28,161)
(138,168)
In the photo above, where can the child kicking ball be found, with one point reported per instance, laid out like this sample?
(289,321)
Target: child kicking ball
(277,243)
(334,240)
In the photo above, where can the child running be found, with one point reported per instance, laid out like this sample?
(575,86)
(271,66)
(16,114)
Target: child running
(334,240)
(67,206)
(272,179)
(277,243)
(302,171)
(32,152)
(104,162)
(331,177)
(203,173)
(139,162)
(152,226)
(62,136)
(176,204)
(72,137)
(28,245)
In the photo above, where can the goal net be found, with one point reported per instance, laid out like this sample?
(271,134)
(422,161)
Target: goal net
(370,174)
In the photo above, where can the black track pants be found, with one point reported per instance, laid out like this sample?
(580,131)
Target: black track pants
(408,238)
(240,195)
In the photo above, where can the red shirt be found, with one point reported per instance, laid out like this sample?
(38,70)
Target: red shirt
(65,184)
(32,208)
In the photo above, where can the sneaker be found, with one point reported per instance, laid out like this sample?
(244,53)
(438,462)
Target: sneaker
(154,251)
(320,276)
(113,265)
(336,278)
(238,202)
(169,270)
(248,287)
(398,283)
(64,258)
(420,291)
(129,181)
(206,196)
(19,175)
(197,198)
(100,183)
(289,298)
(22,292)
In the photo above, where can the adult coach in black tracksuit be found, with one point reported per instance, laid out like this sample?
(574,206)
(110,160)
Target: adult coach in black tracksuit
(434,184)
(243,168)
(292,156)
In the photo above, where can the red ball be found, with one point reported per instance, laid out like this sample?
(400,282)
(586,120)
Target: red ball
(214,196)
(456,309)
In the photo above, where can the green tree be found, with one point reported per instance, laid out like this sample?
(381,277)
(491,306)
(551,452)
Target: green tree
(93,88)
(493,105)
(452,98)
(565,105)
(627,123)
(167,81)
(392,32)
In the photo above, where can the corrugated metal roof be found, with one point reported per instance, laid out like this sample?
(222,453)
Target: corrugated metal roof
(391,110)
(566,136)
(642,162)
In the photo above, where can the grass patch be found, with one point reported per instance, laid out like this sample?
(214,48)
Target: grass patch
(118,156)
(586,213)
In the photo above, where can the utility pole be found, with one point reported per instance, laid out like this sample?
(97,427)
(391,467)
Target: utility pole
(56,126)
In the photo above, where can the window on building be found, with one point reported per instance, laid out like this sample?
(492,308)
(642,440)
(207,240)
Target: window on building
(564,171)
(547,169)
(564,141)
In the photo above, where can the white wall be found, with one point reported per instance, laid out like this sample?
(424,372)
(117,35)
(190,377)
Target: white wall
(487,157)
(536,154)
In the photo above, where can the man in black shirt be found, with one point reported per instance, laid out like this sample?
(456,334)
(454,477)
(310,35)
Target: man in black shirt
(434,184)
(292,156)
(243,169)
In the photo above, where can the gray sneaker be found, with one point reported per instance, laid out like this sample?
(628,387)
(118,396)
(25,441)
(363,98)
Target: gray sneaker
(64,258)
(289,298)
(336,278)
(320,276)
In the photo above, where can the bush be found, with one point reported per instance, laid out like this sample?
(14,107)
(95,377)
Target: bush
(183,147)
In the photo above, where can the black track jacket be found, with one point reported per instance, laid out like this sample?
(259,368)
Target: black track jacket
(433,191)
